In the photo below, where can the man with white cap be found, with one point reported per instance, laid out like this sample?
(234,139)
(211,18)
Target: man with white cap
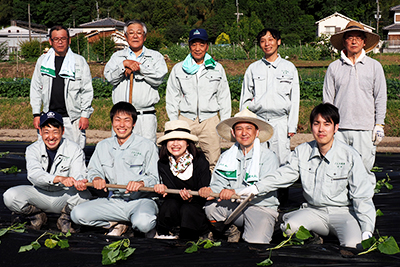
(245,163)
(197,90)
(356,85)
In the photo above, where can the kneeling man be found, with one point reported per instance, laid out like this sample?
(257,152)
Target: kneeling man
(244,164)
(339,199)
(124,159)
(56,168)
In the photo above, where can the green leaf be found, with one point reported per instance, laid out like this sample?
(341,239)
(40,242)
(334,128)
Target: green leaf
(3,231)
(303,233)
(129,251)
(388,186)
(25,248)
(105,259)
(36,245)
(50,243)
(208,244)
(192,248)
(68,234)
(379,213)
(63,243)
(115,244)
(113,254)
(266,262)
(367,243)
(389,246)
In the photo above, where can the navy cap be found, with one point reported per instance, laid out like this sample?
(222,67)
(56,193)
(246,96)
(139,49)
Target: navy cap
(198,34)
(51,115)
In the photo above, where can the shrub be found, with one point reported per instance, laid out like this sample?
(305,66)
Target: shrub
(3,50)
(30,50)
(104,48)
(223,38)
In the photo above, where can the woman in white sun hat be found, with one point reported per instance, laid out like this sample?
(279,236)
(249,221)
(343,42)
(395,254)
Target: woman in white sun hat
(181,166)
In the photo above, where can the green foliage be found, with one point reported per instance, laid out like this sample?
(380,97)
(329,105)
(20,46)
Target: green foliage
(206,243)
(51,242)
(386,245)
(116,251)
(14,88)
(176,52)
(2,154)
(30,50)
(17,228)
(155,40)
(11,170)
(101,88)
(78,44)
(383,182)
(223,38)
(104,48)
(379,213)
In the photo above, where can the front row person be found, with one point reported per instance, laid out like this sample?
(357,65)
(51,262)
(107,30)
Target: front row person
(56,168)
(181,166)
(339,199)
(124,159)
(244,164)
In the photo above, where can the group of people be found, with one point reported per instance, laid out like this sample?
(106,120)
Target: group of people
(137,176)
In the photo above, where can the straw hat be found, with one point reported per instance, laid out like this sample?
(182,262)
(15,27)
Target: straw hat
(177,129)
(370,43)
(225,126)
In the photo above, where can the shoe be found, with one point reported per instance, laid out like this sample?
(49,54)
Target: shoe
(151,234)
(118,229)
(37,221)
(170,236)
(233,234)
(64,221)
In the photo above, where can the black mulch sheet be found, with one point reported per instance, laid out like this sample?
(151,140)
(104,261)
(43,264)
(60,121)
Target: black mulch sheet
(86,246)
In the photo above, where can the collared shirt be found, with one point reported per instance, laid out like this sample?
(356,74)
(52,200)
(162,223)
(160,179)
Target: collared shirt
(69,161)
(358,91)
(337,179)
(134,160)
(268,164)
(271,90)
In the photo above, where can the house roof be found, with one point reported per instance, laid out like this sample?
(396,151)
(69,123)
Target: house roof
(336,14)
(395,8)
(392,27)
(102,23)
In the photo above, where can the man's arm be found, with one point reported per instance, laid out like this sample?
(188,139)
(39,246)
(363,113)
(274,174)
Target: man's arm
(153,70)
(380,94)
(295,99)
(224,97)
(328,90)
(35,94)
(114,71)
(86,96)
(247,93)
(173,95)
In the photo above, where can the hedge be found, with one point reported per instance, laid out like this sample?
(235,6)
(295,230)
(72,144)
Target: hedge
(310,88)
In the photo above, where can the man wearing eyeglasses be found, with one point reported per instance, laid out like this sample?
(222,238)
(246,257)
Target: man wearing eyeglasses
(62,83)
(356,85)
(135,73)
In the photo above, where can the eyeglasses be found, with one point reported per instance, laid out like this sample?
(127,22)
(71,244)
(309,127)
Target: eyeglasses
(62,39)
(356,38)
(132,33)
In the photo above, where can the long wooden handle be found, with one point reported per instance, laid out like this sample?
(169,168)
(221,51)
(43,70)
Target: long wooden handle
(169,191)
(130,87)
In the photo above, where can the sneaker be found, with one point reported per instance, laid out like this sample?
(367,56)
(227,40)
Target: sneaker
(165,236)
(118,229)
(233,234)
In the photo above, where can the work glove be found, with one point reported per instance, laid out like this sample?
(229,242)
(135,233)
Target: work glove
(252,189)
(377,134)
(366,235)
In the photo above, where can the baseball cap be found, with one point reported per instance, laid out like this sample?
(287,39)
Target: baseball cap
(198,34)
(50,115)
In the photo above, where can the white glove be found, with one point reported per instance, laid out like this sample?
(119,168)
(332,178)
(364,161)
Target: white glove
(252,189)
(365,235)
(377,134)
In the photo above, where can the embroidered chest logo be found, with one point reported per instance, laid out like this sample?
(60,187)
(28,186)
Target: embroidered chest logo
(136,153)
(285,72)
(340,165)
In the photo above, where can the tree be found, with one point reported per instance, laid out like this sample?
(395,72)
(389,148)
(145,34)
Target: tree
(3,50)
(104,48)
(245,32)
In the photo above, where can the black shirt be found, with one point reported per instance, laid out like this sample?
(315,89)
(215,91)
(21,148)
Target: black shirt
(57,99)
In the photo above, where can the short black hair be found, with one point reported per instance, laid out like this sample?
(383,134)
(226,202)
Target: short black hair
(274,32)
(124,107)
(327,111)
(52,122)
(255,125)
(58,28)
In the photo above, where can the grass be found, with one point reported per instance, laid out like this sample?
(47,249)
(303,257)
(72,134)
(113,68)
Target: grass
(19,115)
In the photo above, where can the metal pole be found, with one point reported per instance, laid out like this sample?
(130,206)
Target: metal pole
(29,21)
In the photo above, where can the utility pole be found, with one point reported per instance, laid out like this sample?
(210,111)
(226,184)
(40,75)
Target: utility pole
(29,21)
(97,9)
(377,16)
(237,12)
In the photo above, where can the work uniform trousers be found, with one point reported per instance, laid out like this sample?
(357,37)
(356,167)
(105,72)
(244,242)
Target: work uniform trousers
(209,141)
(280,141)
(72,132)
(340,221)
(18,197)
(258,222)
(146,126)
(142,213)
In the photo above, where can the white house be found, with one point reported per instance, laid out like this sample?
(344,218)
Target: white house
(335,23)
(16,34)
(393,32)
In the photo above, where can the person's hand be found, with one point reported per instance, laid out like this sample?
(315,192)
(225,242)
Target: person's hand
(36,122)
(252,189)
(83,123)
(80,185)
(131,66)
(133,186)
(67,181)
(366,235)
(205,192)
(99,184)
(185,194)
(226,194)
(377,134)
(160,189)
